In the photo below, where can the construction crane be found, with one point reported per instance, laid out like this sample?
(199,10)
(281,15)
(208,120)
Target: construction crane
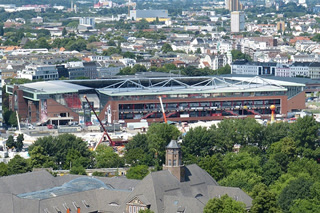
(104,129)
(163,113)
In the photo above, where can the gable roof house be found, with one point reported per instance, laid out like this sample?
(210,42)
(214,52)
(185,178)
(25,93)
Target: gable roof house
(177,188)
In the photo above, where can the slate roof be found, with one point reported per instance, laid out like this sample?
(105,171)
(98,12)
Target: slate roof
(161,190)
(173,145)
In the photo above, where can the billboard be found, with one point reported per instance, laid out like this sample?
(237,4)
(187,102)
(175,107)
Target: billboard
(44,111)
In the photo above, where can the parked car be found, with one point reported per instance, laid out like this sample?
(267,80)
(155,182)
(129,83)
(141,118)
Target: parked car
(30,126)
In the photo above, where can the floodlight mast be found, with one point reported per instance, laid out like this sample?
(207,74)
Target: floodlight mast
(163,113)
(104,129)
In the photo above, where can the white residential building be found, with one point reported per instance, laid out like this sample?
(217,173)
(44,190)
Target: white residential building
(128,62)
(243,67)
(44,72)
(283,71)
(314,70)
(298,69)
(215,62)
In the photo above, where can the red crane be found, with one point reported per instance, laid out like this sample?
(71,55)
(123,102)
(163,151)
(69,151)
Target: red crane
(104,129)
(163,112)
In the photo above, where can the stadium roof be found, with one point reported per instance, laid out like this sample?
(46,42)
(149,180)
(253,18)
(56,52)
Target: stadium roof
(157,86)
(53,87)
(178,85)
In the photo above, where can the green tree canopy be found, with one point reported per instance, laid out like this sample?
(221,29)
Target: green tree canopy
(107,158)
(58,147)
(138,172)
(18,165)
(297,189)
(224,205)
(263,200)
(166,48)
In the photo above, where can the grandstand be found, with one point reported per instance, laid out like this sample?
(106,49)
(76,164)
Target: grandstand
(132,99)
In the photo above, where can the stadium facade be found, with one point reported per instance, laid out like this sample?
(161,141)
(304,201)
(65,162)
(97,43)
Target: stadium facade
(185,99)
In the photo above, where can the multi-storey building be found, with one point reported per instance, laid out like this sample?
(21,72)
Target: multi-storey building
(314,70)
(43,72)
(237,21)
(243,67)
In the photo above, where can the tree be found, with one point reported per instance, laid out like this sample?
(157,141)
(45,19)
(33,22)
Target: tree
(297,189)
(166,48)
(111,43)
(64,32)
(244,179)
(224,205)
(92,38)
(305,132)
(77,170)
(213,165)
(283,152)
(159,135)
(316,37)
(138,172)
(271,171)
(146,211)
(198,51)
(3,169)
(243,160)
(111,50)
(13,119)
(1,30)
(19,142)
(305,206)
(142,24)
(38,157)
(237,54)
(58,147)
(199,141)
(18,165)
(274,132)
(10,142)
(263,200)
(107,158)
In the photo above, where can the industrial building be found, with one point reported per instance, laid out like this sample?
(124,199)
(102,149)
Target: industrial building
(185,99)
(149,15)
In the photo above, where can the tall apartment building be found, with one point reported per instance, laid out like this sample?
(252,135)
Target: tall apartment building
(227,3)
(281,26)
(234,5)
(87,21)
(237,21)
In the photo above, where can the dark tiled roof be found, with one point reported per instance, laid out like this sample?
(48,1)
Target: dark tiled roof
(173,145)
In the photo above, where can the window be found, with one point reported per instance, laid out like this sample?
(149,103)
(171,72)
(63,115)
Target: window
(169,162)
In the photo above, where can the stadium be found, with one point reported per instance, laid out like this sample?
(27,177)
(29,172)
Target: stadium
(185,99)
